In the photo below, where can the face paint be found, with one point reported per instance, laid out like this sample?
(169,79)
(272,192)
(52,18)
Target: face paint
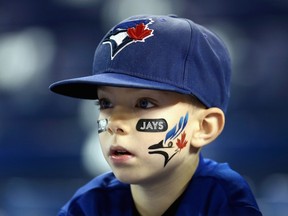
(102,125)
(168,142)
(152,125)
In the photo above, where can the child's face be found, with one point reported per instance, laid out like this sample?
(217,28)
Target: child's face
(148,132)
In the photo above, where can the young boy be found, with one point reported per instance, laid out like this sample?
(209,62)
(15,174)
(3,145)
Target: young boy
(162,85)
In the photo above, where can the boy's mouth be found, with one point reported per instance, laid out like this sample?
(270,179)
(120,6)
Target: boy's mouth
(120,152)
(120,155)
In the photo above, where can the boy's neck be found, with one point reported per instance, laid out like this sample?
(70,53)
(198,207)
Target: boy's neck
(155,199)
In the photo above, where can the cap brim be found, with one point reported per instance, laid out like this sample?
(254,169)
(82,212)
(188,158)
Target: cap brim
(86,87)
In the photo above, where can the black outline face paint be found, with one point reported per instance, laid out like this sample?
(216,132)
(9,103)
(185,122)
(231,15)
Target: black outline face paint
(152,125)
(168,142)
(102,125)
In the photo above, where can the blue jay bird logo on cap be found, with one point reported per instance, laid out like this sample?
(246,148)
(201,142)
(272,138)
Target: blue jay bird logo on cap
(127,33)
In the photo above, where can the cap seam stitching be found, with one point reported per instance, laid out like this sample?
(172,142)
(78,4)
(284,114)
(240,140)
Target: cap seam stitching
(190,47)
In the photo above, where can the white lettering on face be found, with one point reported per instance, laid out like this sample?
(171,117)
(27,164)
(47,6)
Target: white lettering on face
(152,125)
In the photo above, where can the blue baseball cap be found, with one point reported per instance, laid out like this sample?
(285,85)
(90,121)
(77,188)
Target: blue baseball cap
(161,53)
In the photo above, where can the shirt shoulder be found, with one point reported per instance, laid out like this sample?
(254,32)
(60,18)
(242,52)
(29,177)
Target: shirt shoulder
(95,198)
(220,188)
(222,175)
(106,181)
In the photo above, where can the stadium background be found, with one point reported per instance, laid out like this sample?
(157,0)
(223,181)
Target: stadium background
(48,143)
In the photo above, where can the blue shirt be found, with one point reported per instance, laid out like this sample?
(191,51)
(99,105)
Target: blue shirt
(215,189)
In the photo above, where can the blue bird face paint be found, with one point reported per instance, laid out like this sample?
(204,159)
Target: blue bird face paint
(168,142)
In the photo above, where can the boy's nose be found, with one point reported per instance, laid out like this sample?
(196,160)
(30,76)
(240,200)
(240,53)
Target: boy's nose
(119,122)
(116,130)
(118,126)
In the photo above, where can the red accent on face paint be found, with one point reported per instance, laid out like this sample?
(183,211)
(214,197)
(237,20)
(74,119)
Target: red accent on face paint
(181,143)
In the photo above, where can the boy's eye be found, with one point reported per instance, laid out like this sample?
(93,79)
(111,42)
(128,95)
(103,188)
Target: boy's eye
(144,103)
(104,103)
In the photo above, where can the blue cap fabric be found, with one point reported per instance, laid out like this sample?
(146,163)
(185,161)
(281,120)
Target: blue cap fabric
(158,52)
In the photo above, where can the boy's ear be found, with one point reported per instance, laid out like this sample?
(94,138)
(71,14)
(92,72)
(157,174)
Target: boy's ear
(211,123)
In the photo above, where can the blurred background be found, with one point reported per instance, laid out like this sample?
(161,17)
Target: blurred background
(48,143)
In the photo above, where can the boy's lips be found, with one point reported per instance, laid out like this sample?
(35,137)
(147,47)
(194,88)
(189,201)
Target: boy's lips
(120,154)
